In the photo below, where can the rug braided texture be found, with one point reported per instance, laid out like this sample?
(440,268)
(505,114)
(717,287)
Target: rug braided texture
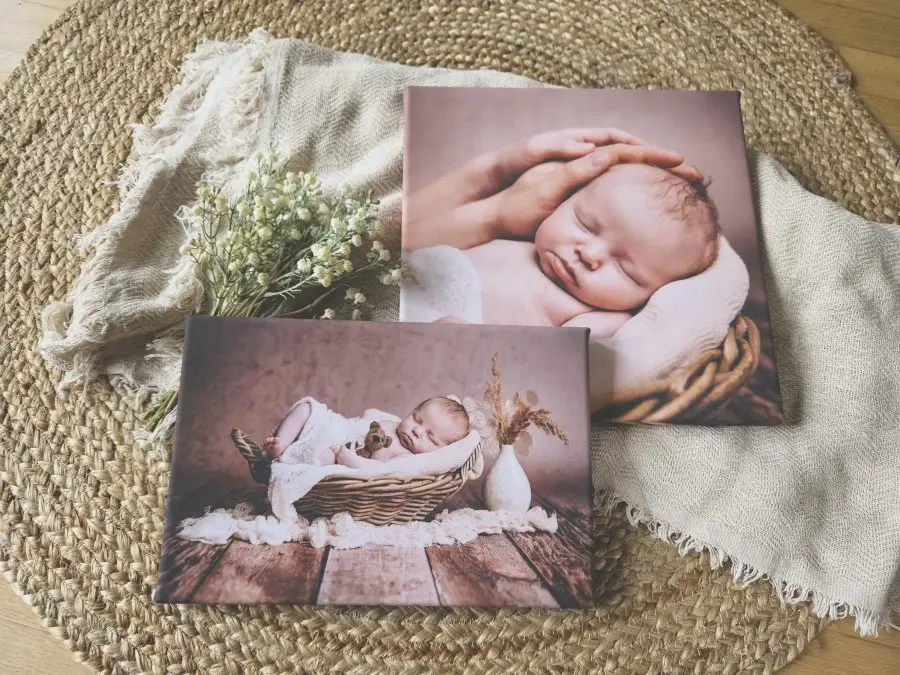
(81,504)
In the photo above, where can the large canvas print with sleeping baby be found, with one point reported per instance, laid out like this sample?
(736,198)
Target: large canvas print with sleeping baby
(628,213)
(352,463)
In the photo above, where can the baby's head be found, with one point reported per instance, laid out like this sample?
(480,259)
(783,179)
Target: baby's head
(626,234)
(434,423)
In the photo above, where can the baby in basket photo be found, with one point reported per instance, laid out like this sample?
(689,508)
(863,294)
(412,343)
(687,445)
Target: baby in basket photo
(313,434)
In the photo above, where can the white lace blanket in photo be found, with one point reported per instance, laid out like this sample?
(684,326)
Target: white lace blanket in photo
(813,505)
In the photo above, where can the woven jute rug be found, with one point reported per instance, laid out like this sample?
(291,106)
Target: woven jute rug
(81,504)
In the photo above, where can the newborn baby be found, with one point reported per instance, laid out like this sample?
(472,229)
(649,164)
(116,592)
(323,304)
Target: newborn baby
(313,434)
(602,253)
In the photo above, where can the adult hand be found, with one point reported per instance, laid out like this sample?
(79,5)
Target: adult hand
(522,207)
(451,209)
(508,193)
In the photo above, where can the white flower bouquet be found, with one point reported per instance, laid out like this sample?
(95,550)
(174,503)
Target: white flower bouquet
(282,247)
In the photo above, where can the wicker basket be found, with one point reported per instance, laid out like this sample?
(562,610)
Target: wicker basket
(697,389)
(387,499)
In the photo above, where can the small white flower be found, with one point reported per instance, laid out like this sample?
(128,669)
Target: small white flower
(186,248)
(320,272)
(351,223)
(204,192)
(282,202)
(290,177)
(359,298)
(386,279)
(252,177)
(351,293)
(345,249)
(263,279)
(357,315)
(243,209)
(318,251)
(253,259)
(357,240)
(377,245)
(221,203)
(265,179)
(336,224)
(233,266)
(296,234)
(326,282)
(264,233)
(348,266)
(323,208)
(197,210)
(384,254)
(304,266)
(396,275)
(303,214)
(259,214)
(328,314)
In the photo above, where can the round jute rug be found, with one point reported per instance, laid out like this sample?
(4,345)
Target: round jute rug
(81,505)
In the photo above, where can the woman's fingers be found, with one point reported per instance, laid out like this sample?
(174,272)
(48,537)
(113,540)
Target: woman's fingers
(688,172)
(555,145)
(578,172)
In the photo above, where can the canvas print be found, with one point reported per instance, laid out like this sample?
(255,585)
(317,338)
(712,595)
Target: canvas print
(355,463)
(628,213)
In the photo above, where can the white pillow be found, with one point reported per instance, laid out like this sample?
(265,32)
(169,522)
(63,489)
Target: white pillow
(680,321)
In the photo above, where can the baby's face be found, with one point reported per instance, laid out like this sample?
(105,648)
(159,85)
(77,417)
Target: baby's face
(612,244)
(428,428)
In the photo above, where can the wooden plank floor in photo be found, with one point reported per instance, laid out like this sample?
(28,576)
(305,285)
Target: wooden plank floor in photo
(496,570)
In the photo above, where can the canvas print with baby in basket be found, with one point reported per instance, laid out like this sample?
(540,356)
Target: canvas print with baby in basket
(328,462)
(629,213)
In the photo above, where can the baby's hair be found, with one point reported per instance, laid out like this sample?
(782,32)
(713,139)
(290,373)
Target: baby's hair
(453,408)
(689,202)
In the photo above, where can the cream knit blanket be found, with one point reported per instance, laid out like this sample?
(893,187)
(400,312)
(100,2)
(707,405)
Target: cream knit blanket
(814,505)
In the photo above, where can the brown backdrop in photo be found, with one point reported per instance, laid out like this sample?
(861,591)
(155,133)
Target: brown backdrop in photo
(247,373)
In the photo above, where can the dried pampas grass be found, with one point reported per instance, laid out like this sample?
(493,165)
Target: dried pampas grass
(511,418)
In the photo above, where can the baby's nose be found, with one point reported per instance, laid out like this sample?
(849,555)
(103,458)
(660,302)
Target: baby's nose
(593,254)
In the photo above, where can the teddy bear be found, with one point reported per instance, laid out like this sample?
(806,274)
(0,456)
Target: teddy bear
(376,439)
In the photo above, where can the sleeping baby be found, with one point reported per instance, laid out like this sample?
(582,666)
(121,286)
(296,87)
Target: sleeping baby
(600,255)
(313,434)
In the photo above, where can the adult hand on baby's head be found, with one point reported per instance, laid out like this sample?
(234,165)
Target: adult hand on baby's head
(523,206)
(564,144)
(507,193)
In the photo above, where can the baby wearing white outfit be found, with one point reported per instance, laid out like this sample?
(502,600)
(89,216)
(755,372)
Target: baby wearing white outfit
(313,434)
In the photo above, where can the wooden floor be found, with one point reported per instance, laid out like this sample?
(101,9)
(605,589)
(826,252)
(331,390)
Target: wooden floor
(502,570)
(867,33)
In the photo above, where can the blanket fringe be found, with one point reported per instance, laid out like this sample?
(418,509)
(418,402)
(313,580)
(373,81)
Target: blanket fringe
(153,147)
(867,621)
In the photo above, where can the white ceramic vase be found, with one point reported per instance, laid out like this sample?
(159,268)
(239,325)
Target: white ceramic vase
(506,487)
